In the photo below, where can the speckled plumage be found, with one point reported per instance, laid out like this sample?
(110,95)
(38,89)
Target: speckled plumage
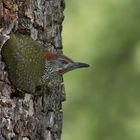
(30,66)
(24,60)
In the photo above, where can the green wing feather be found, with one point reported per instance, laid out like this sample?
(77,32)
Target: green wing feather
(24,60)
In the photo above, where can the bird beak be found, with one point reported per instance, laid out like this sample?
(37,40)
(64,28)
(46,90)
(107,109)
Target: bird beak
(73,66)
(79,65)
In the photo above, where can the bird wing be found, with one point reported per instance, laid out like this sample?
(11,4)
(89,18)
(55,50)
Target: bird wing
(24,60)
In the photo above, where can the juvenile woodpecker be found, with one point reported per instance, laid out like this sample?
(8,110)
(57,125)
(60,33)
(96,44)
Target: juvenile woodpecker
(29,65)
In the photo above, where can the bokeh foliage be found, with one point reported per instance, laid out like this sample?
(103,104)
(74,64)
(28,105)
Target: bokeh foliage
(103,101)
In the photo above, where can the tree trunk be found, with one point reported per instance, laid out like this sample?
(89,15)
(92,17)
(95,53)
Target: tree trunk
(30,117)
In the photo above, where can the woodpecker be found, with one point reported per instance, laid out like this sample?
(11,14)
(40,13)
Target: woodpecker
(29,65)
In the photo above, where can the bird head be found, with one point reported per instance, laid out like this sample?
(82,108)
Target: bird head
(61,64)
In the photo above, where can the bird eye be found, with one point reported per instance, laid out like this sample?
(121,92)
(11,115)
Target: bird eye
(64,62)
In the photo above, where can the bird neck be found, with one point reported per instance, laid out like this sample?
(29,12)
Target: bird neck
(48,73)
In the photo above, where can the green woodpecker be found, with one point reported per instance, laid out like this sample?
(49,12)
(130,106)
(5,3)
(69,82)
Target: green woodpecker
(29,65)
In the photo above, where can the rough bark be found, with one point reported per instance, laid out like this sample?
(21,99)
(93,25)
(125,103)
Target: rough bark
(40,117)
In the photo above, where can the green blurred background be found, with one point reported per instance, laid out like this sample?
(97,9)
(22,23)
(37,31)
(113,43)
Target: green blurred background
(103,102)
